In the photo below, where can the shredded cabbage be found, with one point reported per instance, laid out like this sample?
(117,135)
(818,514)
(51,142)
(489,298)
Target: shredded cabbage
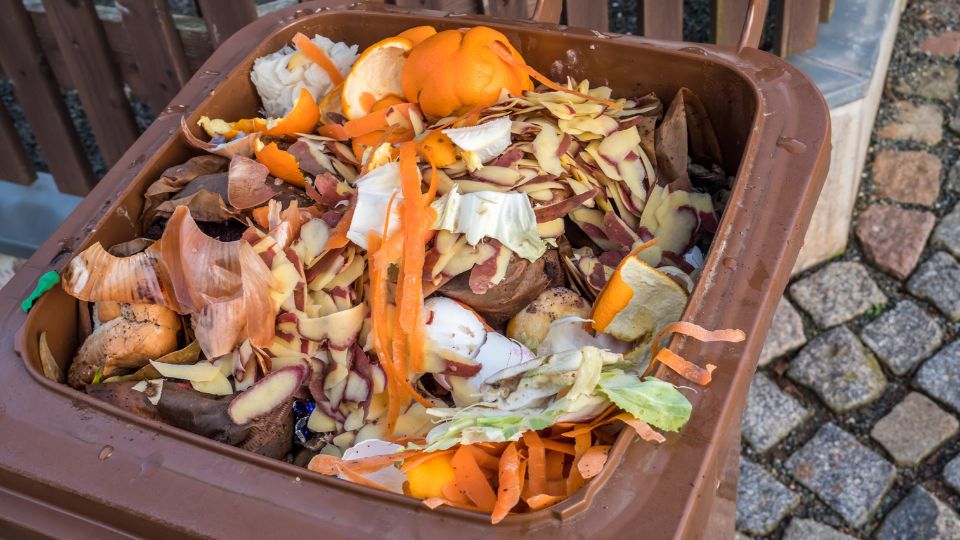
(507,217)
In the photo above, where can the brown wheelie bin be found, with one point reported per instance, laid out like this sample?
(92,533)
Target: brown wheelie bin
(72,466)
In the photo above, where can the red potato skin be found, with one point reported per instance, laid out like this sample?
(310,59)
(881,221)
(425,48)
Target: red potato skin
(523,283)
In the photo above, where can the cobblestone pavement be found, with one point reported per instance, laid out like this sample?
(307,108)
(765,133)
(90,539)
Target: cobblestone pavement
(851,425)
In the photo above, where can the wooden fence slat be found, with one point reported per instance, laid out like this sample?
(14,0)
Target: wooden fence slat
(458,6)
(224,17)
(726,20)
(660,19)
(25,66)
(160,58)
(90,62)
(586,14)
(796,28)
(826,10)
(15,166)
(507,9)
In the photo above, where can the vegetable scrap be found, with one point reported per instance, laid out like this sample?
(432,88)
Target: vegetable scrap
(426,269)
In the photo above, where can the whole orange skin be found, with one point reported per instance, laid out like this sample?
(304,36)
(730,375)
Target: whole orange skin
(455,70)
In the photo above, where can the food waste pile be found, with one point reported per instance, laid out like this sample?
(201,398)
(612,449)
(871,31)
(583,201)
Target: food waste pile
(424,267)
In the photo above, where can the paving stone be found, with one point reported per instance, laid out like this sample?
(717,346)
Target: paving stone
(808,529)
(770,414)
(947,234)
(920,516)
(910,177)
(903,336)
(921,123)
(762,501)
(936,280)
(951,474)
(954,124)
(953,176)
(945,44)
(837,293)
(930,82)
(909,441)
(785,334)
(846,475)
(939,377)
(893,238)
(840,370)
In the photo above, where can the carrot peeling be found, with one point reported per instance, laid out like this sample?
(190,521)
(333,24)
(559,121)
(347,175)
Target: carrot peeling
(685,368)
(592,461)
(472,481)
(698,333)
(316,54)
(508,492)
(537,464)
(644,430)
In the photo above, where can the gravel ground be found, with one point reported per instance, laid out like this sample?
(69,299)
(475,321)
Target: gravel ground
(920,21)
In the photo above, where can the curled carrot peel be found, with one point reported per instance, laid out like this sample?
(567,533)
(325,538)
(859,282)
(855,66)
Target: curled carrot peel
(316,54)
(592,461)
(504,53)
(508,491)
(378,320)
(698,333)
(536,463)
(685,368)
(472,481)
(643,429)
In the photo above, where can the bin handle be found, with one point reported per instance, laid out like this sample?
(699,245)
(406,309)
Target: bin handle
(547,11)
(753,24)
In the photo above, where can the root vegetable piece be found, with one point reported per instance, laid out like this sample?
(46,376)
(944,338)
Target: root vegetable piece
(204,415)
(199,372)
(531,325)
(267,394)
(339,330)
(123,396)
(272,434)
(523,282)
(217,386)
(141,332)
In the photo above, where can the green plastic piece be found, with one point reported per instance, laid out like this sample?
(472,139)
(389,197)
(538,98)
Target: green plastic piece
(44,284)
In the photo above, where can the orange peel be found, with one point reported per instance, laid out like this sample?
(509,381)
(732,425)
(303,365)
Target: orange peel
(439,147)
(454,70)
(375,75)
(303,118)
(280,163)
(638,301)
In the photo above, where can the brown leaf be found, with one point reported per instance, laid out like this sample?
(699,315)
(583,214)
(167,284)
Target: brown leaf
(247,185)
(176,178)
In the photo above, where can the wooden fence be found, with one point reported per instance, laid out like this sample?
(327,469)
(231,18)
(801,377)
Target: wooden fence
(138,46)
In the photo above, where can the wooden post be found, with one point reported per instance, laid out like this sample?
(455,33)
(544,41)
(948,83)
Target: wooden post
(159,54)
(660,19)
(90,63)
(224,17)
(587,14)
(15,165)
(25,65)
(796,28)
(726,20)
